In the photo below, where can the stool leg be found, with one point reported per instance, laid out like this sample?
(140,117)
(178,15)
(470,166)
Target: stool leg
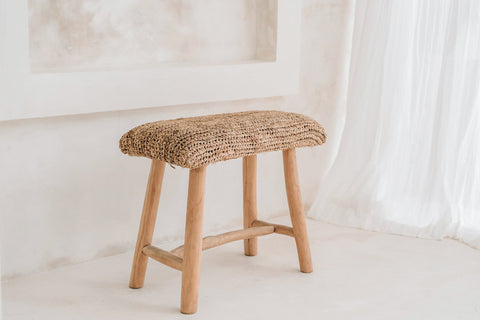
(147,223)
(249,201)
(193,241)
(296,210)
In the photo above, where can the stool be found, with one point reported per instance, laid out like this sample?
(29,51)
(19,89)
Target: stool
(196,142)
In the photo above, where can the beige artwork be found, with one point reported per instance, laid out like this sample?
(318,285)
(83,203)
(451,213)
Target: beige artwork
(85,35)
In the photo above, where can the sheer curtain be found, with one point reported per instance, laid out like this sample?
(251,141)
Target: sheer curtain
(409,157)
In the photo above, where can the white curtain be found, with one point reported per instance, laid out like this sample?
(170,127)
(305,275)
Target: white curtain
(409,157)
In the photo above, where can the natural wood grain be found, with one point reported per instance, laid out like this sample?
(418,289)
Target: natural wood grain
(278,228)
(147,223)
(218,240)
(193,241)
(250,201)
(164,257)
(295,205)
(187,258)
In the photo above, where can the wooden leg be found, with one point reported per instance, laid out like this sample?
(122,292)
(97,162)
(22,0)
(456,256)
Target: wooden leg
(193,241)
(249,201)
(296,210)
(147,223)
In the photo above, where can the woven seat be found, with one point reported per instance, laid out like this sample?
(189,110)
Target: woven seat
(195,142)
(198,141)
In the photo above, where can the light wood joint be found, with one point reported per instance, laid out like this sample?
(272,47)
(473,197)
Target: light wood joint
(164,257)
(218,240)
(278,228)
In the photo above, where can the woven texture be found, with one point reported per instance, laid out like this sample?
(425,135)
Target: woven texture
(198,141)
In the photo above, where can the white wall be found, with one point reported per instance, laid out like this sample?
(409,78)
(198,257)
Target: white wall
(100,34)
(68,194)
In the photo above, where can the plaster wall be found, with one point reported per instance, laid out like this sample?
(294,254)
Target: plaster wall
(76,35)
(68,194)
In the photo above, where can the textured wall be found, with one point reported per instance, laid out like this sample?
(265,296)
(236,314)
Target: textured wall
(80,35)
(69,195)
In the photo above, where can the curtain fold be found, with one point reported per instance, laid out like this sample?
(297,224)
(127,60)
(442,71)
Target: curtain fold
(409,157)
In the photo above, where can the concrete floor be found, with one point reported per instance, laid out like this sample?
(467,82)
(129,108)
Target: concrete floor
(358,275)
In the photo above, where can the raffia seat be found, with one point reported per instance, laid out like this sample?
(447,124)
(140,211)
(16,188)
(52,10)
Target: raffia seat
(196,142)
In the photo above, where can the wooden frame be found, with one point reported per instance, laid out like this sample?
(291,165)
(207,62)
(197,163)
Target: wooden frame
(295,205)
(187,258)
(147,223)
(250,201)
